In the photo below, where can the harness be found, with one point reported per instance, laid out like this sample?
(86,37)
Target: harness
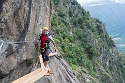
(44,42)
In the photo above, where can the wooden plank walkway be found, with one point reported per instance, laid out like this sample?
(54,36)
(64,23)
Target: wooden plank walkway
(35,75)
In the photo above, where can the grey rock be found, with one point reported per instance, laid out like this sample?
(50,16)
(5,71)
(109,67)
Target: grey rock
(22,20)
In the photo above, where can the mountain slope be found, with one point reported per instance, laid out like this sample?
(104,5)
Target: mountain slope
(85,44)
(112,14)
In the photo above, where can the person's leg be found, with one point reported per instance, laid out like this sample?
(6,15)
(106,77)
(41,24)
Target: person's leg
(46,61)
(43,60)
(46,58)
(46,64)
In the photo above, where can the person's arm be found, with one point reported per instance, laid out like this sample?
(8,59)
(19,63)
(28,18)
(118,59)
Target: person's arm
(37,40)
(54,45)
(52,40)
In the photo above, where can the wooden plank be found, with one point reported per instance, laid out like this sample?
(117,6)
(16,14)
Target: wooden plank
(52,54)
(35,75)
(22,79)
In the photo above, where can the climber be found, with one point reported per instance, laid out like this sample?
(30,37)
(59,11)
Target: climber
(45,39)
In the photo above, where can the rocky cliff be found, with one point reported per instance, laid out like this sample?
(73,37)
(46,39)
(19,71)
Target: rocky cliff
(22,20)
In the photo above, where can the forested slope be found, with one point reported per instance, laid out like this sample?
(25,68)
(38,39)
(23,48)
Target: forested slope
(85,44)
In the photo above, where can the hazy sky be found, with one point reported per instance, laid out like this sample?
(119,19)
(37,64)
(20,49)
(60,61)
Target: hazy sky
(83,2)
(99,2)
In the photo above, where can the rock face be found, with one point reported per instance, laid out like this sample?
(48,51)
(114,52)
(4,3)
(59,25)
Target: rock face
(61,72)
(21,20)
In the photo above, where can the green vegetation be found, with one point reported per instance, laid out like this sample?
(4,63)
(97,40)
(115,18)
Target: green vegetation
(84,43)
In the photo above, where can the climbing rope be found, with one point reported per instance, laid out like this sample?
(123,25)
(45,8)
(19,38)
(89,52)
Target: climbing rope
(19,42)
(2,43)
